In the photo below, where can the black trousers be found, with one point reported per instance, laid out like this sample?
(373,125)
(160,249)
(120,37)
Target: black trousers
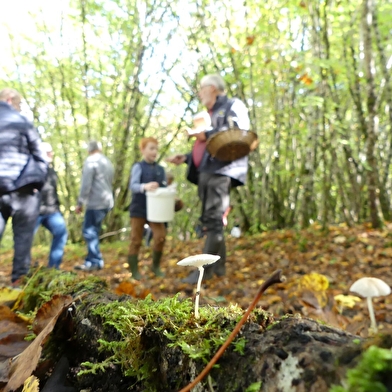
(22,206)
(214,193)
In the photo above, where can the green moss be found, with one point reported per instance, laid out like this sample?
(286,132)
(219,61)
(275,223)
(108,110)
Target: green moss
(255,387)
(372,374)
(43,283)
(172,317)
(126,320)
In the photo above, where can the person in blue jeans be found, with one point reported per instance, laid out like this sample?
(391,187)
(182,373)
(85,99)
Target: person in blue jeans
(96,193)
(50,216)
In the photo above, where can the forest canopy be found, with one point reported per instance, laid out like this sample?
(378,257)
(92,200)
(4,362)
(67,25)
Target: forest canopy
(315,76)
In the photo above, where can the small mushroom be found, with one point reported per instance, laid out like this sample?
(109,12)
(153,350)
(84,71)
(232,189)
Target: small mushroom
(369,288)
(198,261)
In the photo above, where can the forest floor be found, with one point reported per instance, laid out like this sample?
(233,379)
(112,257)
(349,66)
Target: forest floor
(319,267)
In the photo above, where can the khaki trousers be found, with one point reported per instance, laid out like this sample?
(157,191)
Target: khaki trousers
(137,228)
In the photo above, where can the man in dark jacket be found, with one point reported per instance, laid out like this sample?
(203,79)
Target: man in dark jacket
(49,213)
(23,171)
(215,178)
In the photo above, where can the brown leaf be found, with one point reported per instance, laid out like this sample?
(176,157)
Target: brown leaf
(309,298)
(13,330)
(306,79)
(23,366)
(126,288)
(358,327)
(49,310)
(4,370)
(250,39)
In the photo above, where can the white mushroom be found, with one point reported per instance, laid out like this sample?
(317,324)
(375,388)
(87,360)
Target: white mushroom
(369,288)
(198,261)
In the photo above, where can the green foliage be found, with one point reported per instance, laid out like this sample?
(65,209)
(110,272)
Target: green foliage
(372,373)
(255,387)
(303,76)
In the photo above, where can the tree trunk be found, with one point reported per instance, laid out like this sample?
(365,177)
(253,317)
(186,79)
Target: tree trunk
(371,123)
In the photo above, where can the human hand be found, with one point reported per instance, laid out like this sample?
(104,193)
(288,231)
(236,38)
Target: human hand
(78,209)
(194,131)
(151,186)
(178,205)
(177,159)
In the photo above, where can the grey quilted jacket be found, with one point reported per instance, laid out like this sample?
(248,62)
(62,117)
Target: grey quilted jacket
(22,162)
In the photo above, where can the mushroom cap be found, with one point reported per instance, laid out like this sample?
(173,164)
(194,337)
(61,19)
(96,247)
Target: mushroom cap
(370,287)
(199,260)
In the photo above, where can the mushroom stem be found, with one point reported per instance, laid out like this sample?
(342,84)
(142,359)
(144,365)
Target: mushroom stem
(198,288)
(373,324)
(276,277)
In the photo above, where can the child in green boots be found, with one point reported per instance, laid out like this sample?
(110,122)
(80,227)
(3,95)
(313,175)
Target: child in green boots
(146,175)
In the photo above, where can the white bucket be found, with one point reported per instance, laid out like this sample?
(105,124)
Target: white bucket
(160,205)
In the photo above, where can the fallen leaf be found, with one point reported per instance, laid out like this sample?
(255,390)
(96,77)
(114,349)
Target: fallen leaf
(347,301)
(340,239)
(50,310)
(250,39)
(8,296)
(24,364)
(31,385)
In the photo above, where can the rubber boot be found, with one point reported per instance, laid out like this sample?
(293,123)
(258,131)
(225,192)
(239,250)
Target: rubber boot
(156,261)
(133,267)
(220,265)
(192,278)
(214,245)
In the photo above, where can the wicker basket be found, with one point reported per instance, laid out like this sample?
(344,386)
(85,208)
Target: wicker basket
(231,144)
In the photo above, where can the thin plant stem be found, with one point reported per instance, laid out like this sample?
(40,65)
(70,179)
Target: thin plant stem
(198,288)
(276,277)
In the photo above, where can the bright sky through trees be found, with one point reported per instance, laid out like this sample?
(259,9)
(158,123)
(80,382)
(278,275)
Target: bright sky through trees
(19,19)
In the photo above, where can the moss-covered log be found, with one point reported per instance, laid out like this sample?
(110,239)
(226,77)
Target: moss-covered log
(121,344)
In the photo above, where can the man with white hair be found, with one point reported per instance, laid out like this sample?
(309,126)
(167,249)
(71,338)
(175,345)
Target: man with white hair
(214,177)
(50,216)
(23,171)
(96,194)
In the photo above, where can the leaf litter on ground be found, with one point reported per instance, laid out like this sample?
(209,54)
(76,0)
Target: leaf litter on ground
(319,265)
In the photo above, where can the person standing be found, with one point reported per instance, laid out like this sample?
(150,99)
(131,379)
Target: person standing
(96,194)
(23,171)
(146,175)
(49,213)
(214,177)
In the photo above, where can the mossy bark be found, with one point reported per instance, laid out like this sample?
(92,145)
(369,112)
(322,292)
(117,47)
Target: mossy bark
(291,354)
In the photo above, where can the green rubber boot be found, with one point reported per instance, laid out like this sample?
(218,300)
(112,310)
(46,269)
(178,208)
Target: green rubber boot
(133,267)
(156,260)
